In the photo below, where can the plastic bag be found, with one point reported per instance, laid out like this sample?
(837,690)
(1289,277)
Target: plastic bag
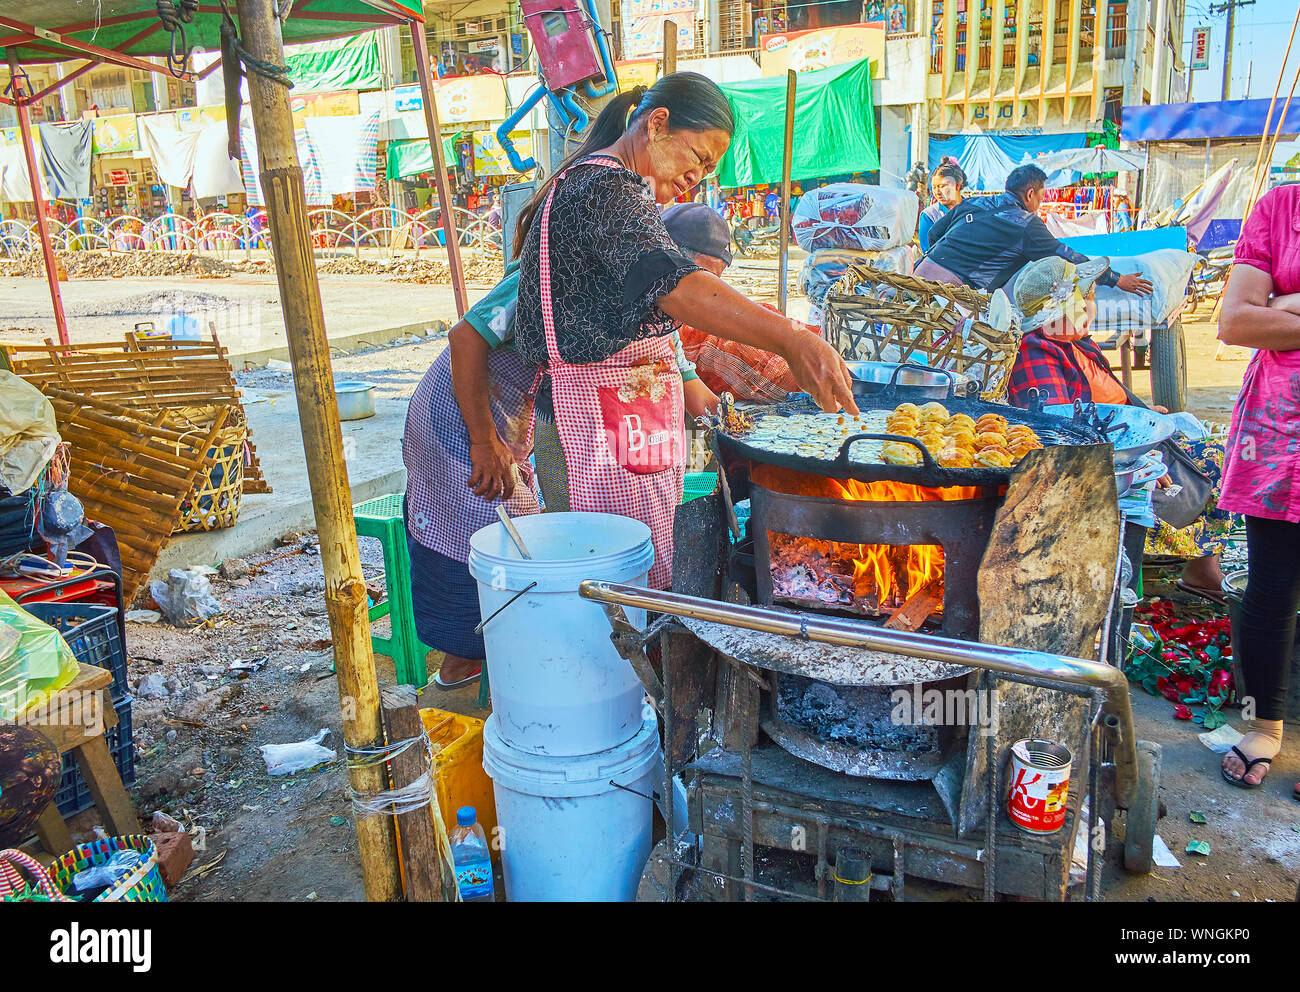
(108,874)
(60,523)
(855,216)
(823,269)
(184,597)
(28,433)
(1168,269)
(286,759)
(35,663)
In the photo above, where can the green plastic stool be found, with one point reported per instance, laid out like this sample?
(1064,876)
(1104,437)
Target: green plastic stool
(381,518)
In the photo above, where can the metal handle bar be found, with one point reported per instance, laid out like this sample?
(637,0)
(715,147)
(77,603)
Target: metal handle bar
(849,633)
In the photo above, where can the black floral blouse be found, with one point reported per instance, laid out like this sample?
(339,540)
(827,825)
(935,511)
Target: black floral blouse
(611,262)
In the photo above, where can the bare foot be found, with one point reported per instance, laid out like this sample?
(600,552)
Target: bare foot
(1252,746)
(1204,573)
(454,668)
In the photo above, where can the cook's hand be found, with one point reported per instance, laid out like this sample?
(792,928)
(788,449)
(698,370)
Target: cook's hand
(700,399)
(492,474)
(1133,283)
(820,371)
(1160,409)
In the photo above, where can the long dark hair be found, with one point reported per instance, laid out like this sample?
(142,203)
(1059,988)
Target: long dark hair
(949,169)
(693,102)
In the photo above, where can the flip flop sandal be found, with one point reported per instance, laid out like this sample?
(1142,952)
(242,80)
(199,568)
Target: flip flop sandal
(1241,783)
(438,683)
(1213,595)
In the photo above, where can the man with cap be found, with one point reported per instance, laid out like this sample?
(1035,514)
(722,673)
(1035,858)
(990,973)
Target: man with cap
(748,373)
(467,449)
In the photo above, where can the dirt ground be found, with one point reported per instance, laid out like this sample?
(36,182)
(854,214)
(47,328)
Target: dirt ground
(292,838)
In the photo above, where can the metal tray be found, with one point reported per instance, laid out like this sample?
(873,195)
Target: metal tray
(908,381)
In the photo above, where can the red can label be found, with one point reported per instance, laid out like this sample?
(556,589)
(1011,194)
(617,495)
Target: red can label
(1038,794)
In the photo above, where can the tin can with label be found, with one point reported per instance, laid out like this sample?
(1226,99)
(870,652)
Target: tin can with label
(1040,785)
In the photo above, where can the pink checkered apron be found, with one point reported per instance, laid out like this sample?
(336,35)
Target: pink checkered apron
(621,425)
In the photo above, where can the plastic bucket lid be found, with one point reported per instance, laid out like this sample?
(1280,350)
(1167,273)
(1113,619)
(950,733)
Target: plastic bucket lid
(575,775)
(566,548)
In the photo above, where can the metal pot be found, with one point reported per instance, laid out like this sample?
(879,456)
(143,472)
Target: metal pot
(356,400)
(908,380)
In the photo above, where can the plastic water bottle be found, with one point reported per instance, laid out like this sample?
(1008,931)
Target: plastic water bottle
(469,849)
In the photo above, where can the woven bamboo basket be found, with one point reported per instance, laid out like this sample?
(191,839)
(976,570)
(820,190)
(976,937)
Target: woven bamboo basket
(213,503)
(878,316)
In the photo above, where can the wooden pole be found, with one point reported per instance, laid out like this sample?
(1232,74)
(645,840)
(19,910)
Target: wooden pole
(304,322)
(425,870)
(670,47)
(1268,121)
(38,200)
(420,42)
(1259,181)
(787,163)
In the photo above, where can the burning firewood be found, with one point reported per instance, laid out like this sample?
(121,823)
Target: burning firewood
(919,606)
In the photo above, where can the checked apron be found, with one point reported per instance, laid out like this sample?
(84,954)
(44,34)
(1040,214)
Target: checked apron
(621,425)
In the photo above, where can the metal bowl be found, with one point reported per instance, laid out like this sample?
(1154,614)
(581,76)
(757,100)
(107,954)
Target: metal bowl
(356,400)
(1142,429)
(908,380)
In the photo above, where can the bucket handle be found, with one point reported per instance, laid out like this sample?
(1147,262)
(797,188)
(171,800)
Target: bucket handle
(485,622)
(654,797)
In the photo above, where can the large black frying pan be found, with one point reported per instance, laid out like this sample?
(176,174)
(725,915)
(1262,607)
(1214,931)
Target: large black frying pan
(1051,431)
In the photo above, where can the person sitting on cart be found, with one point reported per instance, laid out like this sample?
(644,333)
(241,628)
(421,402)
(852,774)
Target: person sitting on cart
(1059,359)
(946,185)
(984,241)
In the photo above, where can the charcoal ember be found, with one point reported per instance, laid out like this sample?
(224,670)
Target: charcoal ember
(858,716)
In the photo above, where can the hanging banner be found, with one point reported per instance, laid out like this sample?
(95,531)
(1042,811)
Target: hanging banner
(1200,48)
(115,134)
(490,159)
(341,104)
(193,118)
(643,25)
(820,48)
(638,72)
(470,98)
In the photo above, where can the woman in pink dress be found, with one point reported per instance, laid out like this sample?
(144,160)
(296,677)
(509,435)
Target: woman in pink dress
(1261,475)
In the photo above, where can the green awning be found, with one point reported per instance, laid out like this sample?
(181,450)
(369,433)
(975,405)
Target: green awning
(337,64)
(834,127)
(414,157)
(120,25)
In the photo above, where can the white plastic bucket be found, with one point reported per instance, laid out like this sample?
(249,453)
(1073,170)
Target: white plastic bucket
(578,828)
(558,685)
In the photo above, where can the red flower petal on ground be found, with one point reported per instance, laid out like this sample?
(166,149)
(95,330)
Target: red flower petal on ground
(1181,712)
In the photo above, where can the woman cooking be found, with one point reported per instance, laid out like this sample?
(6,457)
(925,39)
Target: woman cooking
(601,286)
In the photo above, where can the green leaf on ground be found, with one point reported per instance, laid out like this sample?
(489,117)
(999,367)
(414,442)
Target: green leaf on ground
(1197,817)
(1198,847)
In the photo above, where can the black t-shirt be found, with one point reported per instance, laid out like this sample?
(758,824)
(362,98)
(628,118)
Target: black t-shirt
(611,262)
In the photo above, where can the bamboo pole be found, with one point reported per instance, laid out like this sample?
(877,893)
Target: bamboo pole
(787,162)
(1268,121)
(38,201)
(670,47)
(420,42)
(1260,180)
(345,590)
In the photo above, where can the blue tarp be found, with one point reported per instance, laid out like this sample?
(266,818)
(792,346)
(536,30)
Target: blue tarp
(1130,242)
(1198,121)
(987,158)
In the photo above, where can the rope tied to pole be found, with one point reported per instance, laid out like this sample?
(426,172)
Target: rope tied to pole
(230,43)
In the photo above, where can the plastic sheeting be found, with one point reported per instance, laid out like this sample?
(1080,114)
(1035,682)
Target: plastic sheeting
(835,130)
(339,64)
(34,661)
(987,159)
(855,216)
(345,151)
(1174,170)
(28,433)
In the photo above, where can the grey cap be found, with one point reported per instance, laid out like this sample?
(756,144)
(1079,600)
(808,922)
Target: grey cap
(697,228)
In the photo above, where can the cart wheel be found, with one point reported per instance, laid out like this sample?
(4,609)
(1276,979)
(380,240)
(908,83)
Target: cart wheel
(1169,367)
(1140,824)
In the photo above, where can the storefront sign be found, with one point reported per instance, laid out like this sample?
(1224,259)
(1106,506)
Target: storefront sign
(193,118)
(489,45)
(820,48)
(406,98)
(118,177)
(344,103)
(1200,48)
(643,25)
(114,134)
(490,159)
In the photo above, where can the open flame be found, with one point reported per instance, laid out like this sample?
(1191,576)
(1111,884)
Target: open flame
(884,577)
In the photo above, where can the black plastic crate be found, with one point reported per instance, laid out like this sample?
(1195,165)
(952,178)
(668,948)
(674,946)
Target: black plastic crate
(74,794)
(93,634)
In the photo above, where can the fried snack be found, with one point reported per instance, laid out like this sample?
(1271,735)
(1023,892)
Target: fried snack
(901,425)
(907,409)
(961,418)
(898,453)
(988,439)
(933,411)
(1021,431)
(956,458)
(959,430)
(991,421)
(1018,451)
(994,458)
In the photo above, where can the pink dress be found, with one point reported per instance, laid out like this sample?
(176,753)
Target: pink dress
(1261,471)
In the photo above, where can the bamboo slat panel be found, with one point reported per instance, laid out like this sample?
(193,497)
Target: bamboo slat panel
(879,316)
(141,375)
(131,473)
